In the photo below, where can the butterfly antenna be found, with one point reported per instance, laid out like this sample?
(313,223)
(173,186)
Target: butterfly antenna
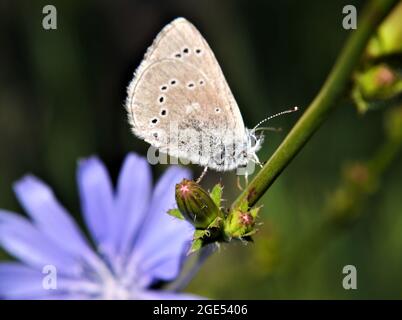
(274,116)
(268,129)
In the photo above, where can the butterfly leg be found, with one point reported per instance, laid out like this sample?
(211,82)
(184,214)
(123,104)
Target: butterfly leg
(202,175)
(257,161)
(238,181)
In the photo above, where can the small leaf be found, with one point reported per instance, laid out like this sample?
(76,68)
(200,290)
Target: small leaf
(387,39)
(176,213)
(216,194)
(217,223)
(200,233)
(195,246)
(254,212)
(247,236)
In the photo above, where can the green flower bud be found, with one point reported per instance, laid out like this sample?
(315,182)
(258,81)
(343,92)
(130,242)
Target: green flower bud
(375,86)
(195,204)
(378,81)
(240,223)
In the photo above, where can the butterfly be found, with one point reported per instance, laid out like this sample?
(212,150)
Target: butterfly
(180,103)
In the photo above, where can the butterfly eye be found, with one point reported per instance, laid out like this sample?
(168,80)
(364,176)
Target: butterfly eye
(155,134)
(173,82)
(163,112)
(198,51)
(217,110)
(190,85)
(178,55)
(154,121)
(201,82)
(186,51)
(163,88)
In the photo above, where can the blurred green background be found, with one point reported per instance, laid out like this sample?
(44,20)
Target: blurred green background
(61,99)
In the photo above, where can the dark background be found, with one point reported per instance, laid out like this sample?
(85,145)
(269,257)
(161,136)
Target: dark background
(61,99)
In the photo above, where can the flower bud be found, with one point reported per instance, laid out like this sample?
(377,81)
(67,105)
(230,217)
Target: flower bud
(196,204)
(240,223)
(376,86)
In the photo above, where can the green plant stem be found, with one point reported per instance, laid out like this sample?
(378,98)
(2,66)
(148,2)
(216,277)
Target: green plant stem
(321,106)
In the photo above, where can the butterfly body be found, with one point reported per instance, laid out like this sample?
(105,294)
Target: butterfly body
(180,103)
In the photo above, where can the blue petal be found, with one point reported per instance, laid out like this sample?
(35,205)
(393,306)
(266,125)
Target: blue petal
(17,280)
(96,199)
(133,194)
(167,295)
(65,296)
(159,247)
(40,203)
(22,240)
(166,268)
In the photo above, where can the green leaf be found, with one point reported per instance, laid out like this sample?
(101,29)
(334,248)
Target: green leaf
(217,223)
(176,213)
(195,246)
(247,236)
(387,40)
(200,233)
(216,194)
(254,212)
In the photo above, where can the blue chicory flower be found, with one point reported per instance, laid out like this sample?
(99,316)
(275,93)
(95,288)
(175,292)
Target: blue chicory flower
(137,243)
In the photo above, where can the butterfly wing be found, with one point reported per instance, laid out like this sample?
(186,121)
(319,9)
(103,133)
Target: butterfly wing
(180,86)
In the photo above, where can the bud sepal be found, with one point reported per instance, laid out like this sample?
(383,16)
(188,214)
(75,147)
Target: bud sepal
(176,213)
(203,237)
